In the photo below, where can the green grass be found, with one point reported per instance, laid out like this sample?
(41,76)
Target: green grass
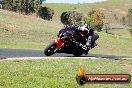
(27,32)
(113,45)
(120,32)
(60,73)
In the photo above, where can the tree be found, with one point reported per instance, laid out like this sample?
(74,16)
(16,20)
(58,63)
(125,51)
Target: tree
(71,17)
(130,20)
(115,17)
(130,16)
(107,27)
(7,4)
(46,13)
(95,19)
(123,20)
(23,6)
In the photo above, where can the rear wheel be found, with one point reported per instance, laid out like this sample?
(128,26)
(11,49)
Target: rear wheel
(50,49)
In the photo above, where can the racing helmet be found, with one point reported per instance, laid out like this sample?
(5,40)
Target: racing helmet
(83,29)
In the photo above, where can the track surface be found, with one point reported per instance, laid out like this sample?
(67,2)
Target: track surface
(17,53)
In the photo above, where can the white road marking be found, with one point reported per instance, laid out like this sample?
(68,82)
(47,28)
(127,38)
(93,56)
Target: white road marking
(29,58)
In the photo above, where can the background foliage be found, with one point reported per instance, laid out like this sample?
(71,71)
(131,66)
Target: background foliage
(71,17)
(130,20)
(95,19)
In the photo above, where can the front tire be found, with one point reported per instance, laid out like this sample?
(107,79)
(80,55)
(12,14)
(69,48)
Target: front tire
(50,49)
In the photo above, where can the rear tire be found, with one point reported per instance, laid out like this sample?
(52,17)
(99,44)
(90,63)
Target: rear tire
(50,49)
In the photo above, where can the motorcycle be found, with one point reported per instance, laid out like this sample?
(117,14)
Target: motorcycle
(65,43)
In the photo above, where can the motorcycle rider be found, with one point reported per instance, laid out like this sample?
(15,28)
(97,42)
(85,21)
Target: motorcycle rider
(89,35)
(84,35)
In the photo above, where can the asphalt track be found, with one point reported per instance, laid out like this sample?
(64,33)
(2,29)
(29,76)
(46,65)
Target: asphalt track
(19,53)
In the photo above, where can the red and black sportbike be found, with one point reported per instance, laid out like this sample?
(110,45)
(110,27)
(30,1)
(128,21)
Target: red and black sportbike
(65,43)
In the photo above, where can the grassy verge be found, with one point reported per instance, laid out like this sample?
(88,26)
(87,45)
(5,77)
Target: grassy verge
(59,73)
(113,45)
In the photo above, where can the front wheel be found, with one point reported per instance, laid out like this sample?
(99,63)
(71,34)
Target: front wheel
(50,49)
